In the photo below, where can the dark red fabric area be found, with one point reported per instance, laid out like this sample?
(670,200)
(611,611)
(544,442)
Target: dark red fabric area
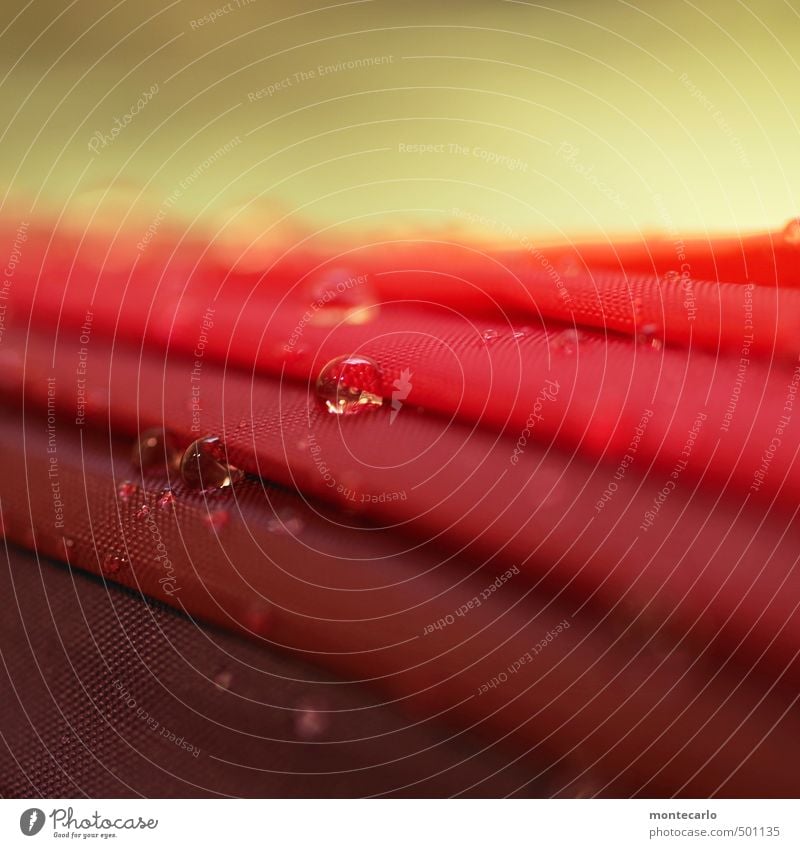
(110,694)
(615,703)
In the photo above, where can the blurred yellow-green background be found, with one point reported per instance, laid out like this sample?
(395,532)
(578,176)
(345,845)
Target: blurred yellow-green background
(556,119)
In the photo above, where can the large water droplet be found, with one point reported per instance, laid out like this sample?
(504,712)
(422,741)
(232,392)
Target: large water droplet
(791,232)
(348,385)
(143,512)
(205,465)
(488,336)
(156,448)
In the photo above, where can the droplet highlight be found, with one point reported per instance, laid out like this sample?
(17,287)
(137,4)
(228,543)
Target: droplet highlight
(349,385)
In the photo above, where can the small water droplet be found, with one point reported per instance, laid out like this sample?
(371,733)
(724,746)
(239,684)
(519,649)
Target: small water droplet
(670,277)
(68,542)
(566,342)
(522,333)
(113,563)
(648,336)
(489,336)
(791,232)
(156,448)
(349,385)
(205,465)
(223,679)
(216,519)
(126,490)
(310,721)
(143,512)
(285,523)
(166,499)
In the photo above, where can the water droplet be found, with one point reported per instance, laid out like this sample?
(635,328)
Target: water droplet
(489,336)
(113,563)
(223,679)
(69,543)
(166,499)
(522,333)
(340,296)
(670,278)
(143,512)
(216,519)
(791,232)
(205,465)
(126,490)
(348,385)
(310,722)
(156,448)
(566,342)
